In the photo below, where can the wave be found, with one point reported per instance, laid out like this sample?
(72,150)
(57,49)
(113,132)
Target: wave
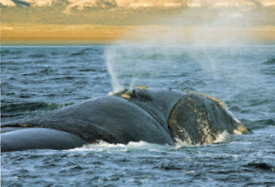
(261,165)
(38,55)
(82,52)
(258,124)
(87,51)
(270,61)
(32,106)
(17,111)
(269,68)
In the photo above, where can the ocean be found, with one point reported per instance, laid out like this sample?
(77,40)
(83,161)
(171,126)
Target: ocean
(39,79)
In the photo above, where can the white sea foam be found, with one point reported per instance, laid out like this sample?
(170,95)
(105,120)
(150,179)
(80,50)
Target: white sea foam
(108,147)
(223,137)
(142,145)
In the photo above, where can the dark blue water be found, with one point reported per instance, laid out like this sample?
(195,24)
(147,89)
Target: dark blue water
(38,79)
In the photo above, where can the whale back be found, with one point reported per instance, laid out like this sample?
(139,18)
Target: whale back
(157,102)
(111,119)
(19,139)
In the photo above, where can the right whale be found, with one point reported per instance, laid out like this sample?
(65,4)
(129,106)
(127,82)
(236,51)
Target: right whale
(161,116)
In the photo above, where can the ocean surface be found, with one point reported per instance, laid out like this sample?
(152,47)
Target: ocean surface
(38,79)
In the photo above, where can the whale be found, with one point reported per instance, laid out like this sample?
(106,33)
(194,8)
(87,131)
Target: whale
(154,115)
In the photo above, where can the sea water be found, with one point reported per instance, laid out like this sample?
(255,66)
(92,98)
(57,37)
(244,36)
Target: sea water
(38,79)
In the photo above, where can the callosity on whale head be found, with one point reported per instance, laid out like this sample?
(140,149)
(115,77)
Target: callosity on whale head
(160,116)
(200,119)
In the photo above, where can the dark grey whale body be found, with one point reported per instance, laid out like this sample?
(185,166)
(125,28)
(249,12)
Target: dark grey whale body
(158,116)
